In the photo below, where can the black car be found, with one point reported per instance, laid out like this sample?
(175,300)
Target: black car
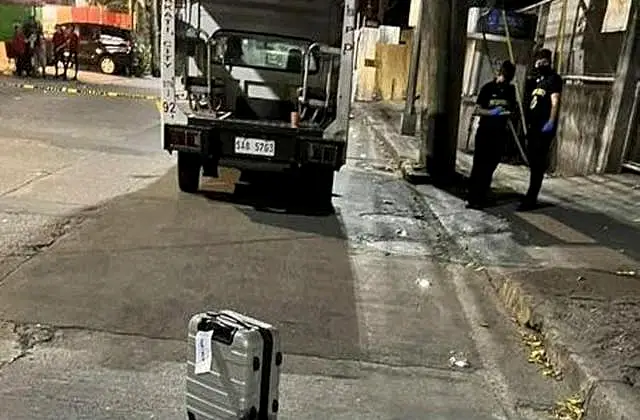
(108,48)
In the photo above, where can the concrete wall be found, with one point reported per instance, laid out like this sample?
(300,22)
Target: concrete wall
(601,50)
(579,140)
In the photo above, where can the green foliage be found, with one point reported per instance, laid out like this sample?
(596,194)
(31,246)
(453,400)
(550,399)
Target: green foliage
(142,57)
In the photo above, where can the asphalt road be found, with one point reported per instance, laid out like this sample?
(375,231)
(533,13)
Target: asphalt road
(371,301)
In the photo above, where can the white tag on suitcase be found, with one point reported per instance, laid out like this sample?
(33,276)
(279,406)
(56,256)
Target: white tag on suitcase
(204,355)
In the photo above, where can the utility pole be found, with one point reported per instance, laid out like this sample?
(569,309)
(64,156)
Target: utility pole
(155,38)
(627,73)
(409,117)
(444,40)
(131,15)
(457,53)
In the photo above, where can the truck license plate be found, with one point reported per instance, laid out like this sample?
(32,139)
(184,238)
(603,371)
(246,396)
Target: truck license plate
(256,147)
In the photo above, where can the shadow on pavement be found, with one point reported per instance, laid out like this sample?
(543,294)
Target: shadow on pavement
(559,225)
(271,202)
(144,263)
(457,186)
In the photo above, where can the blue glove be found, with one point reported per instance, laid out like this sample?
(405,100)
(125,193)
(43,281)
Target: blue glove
(496,111)
(548,127)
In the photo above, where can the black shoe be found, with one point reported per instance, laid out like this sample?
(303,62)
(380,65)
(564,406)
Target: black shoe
(527,206)
(474,205)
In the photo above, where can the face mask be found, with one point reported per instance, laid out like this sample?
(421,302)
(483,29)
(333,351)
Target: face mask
(544,69)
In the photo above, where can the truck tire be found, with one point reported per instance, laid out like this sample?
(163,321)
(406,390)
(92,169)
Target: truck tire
(317,187)
(189,166)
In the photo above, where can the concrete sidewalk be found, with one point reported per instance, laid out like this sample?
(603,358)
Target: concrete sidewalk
(570,270)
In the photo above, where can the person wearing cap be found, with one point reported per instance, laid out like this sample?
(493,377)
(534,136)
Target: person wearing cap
(542,123)
(495,104)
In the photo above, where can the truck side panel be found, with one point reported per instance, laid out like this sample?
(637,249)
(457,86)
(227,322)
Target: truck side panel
(341,124)
(313,19)
(171,114)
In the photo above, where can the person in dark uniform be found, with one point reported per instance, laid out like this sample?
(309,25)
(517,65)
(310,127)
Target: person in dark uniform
(542,124)
(59,41)
(72,45)
(496,102)
(29,28)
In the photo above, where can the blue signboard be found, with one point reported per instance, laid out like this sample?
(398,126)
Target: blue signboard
(521,25)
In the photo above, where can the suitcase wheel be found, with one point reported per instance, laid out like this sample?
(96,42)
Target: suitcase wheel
(274,406)
(256,364)
(252,415)
(278,359)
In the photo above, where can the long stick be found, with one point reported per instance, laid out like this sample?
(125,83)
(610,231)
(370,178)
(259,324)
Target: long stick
(516,139)
(513,60)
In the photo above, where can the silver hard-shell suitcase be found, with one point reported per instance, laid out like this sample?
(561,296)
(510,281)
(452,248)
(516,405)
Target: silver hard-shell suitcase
(233,368)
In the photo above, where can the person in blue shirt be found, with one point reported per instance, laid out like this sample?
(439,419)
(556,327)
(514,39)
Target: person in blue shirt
(495,104)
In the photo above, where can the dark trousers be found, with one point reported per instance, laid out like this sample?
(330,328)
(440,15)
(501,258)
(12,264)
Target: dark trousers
(21,64)
(26,63)
(538,153)
(73,58)
(58,59)
(486,157)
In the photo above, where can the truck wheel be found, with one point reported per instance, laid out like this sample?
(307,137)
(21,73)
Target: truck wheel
(189,165)
(317,186)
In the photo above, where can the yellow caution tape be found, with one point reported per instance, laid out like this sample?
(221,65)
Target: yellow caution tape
(81,91)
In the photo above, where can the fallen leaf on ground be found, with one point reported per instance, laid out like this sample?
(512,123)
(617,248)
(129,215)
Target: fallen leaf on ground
(569,409)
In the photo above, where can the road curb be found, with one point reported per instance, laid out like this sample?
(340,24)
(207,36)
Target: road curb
(85,90)
(388,145)
(407,167)
(603,399)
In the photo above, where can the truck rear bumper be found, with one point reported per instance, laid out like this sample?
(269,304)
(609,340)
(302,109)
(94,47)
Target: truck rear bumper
(249,145)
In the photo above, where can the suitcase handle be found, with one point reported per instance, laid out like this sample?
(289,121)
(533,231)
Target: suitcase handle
(229,318)
(221,332)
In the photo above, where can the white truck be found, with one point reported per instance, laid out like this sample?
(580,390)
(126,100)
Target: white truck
(258,85)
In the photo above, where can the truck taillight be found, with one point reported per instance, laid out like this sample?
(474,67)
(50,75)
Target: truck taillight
(322,153)
(185,138)
(193,138)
